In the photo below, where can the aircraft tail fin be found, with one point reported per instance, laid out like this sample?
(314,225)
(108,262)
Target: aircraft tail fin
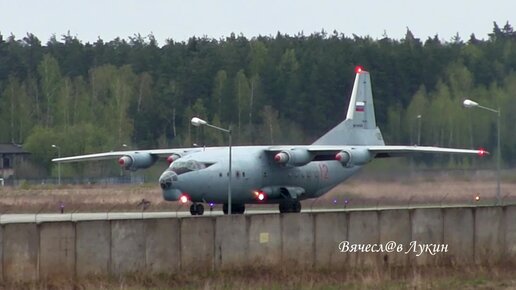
(359,128)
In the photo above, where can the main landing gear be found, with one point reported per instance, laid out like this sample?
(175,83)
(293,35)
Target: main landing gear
(196,209)
(289,205)
(235,208)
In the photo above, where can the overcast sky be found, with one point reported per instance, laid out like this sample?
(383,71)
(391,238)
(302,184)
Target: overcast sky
(179,20)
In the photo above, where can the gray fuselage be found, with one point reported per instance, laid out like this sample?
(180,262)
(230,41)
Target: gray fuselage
(253,169)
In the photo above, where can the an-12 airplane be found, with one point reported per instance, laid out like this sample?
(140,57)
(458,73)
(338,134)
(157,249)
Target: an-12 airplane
(282,175)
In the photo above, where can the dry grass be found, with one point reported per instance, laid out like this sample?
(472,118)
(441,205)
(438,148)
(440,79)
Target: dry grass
(365,189)
(471,277)
(425,187)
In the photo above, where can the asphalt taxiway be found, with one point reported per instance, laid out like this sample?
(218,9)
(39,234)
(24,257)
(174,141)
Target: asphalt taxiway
(92,216)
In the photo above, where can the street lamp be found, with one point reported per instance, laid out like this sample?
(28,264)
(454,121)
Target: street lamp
(471,104)
(198,122)
(58,164)
(419,129)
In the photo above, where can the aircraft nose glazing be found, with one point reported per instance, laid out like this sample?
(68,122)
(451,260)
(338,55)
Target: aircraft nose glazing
(166,179)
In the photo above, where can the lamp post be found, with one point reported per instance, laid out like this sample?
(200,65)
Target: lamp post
(198,122)
(471,104)
(419,129)
(58,164)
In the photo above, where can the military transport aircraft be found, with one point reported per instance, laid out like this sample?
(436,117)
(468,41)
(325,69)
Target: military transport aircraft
(282,175)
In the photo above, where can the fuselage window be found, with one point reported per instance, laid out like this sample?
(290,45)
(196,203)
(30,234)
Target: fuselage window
(180,167)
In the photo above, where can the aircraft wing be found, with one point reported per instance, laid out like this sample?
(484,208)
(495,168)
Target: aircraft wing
(325,152)
(384,149)
(398,151)
(118,154)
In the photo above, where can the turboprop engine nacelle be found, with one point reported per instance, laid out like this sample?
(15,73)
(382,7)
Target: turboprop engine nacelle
(353,157)
(137,161)
(293,157)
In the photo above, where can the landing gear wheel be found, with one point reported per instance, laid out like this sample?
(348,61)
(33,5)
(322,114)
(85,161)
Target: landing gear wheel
(235,208)
(285,206)
(296,206)
(193,209)
(282,207)
(289,205)
(238,208)
(200,209)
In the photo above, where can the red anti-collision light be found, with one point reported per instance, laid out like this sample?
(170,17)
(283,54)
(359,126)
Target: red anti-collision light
(260,195)
(358,69)
(183,198)
(482,152)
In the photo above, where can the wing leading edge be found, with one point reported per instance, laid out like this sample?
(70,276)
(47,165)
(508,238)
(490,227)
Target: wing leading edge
(399,151)
(118,154)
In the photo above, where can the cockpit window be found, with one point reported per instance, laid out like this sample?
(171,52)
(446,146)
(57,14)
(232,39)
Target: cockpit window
(180,167)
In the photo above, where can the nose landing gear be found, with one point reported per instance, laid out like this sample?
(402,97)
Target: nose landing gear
(196,209)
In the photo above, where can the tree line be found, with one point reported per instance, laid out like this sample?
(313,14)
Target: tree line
(91,97)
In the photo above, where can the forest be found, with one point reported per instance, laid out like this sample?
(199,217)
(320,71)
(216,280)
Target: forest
(282,89)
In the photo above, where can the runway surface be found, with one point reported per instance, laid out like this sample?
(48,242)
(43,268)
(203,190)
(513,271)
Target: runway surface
(82,216)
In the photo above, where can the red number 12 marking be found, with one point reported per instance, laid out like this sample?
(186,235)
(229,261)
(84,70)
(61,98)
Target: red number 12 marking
(324,171)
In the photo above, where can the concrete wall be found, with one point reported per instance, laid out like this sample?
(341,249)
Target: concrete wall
(231,246)
(197,243)
(484,235)
(510,233)
(127,246)
(20,252)
(489,234)
(330,230)
(264,240)
(162,242)
(363,229)
(297,236)
(93,248)
(57,250)
(458,235)
(427,229)
(395,227)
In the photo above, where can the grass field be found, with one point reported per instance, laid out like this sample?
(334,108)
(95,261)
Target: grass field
(286,278)
(367,189)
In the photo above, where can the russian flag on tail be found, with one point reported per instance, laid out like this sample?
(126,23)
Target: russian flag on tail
(359,106)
